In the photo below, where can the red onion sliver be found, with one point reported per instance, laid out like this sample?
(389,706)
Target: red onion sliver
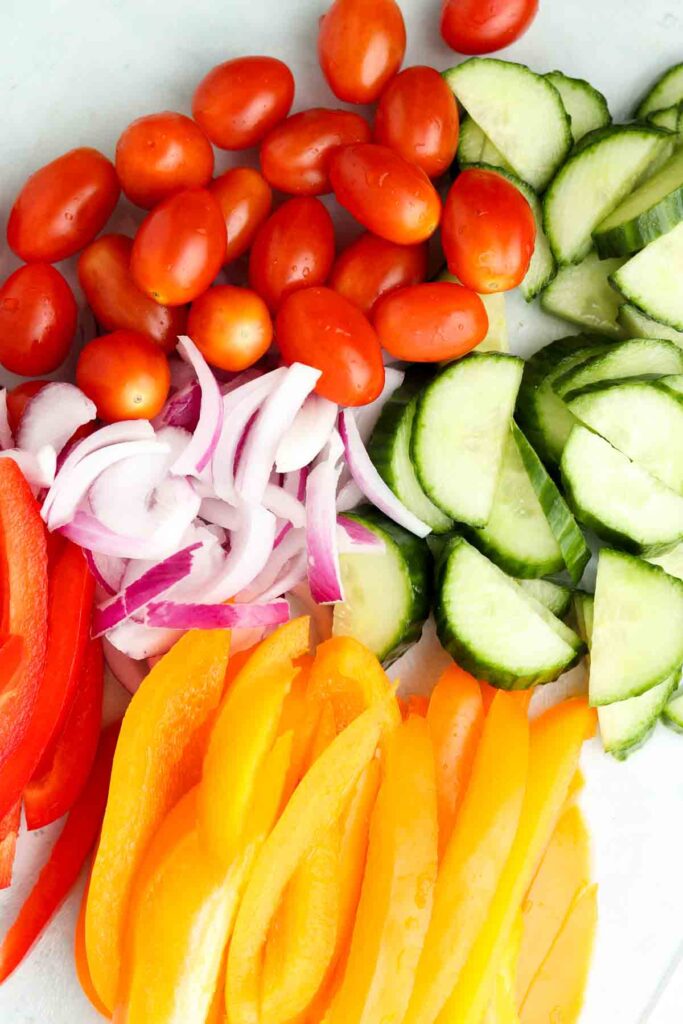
(366,416)
(213,510)
(6,439)
(168,615)
(127,672)
(198,453)
(324,573)
(349,496)
(291,576)
(250,548)
(240,379)
(291,546)
(87,531)
(139,641)
(39,467)
(371,483)
(284,505)
(99,566)
(53,416)
(308,434)
(182,409)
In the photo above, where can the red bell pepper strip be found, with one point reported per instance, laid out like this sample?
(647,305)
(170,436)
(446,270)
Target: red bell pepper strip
(69,612)
(23,604)
(66,860)
(60,777)
(9,831)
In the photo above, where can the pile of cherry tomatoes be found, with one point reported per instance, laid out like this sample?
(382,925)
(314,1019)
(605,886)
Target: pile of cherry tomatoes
(333,312)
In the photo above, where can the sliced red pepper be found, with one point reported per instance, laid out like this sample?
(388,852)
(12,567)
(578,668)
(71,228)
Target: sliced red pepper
(9,832)
(60,777)
(69,612)
(66,860)
(23,604)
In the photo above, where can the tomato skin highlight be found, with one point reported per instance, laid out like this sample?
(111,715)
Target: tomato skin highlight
(488,232)
(245,199)
(62,206)
(19,397)
(370,267)
(293,249)
(115,299)
(417,117)
(323,329)
(179,248)
(38,316)
(230,326)
(484,26)
(387,195)
(295,156)
(125,374)
(361,45)
(428,323)
(237,103)
(161,154)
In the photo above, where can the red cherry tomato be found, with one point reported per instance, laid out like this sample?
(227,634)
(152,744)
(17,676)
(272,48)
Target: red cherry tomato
(293,249)
(389,196)
(428,323)
(239,102)
(230,326)
(38,316)
(63,206)
(484,26)
(245,199)
(370,267)
(323,329)
(488,232)
(361,45)
(179,248)
(417,117)
(125,374)
(18,398)
(162,154)
(115,299)
(295,156)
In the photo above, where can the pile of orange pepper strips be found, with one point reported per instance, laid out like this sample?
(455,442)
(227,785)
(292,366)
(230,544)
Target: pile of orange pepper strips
(285,842)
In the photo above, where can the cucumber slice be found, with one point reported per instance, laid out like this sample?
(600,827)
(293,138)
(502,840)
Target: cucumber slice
(554,596)
(621,502)
(638,630)
(640,419)
(666,91)
(460,430)
(640,357)
(667,118)
(601,171)
(387,595)
(651,280)
(519,111)
(474,147)
(587,108)
(636,324)
(627,724)
(654,208)
(492,627)
(389,449)
(671,561)
(672,715)
(584,611)
(582,294)
(673,383)
(496,339)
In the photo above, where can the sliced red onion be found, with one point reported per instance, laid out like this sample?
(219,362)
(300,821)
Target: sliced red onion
(250,548)
(324,573)
(275,418)
(284,505)
(213,510)
(39,467)
(53,416)
(198,453)
(121,496)
(371,483)
(366,416)
(182,409)
(168,615)
(293,574)
(292,546)
(127,672)
(308,434)
(240,379)
(138,641)
(6,439)
(355,538)
(182,373)
(350,495)
(107,571)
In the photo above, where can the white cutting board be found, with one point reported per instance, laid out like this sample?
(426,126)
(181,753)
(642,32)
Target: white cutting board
(75,72)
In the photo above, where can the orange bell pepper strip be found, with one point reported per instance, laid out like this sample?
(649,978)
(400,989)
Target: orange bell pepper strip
(576,786)
(157,760)
(456,719)
(396,898)
(414,704)
(556,740)
(483,834)
(317,803)
(488,692)
(503,1006)
(9,834)
(81,960)
(348,676)
(564,872)
(557,992)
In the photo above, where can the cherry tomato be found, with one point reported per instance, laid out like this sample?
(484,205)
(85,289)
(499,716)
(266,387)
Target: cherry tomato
(179,248)
(428,323)
(18,398)
(389,196)
(370,267)
(484,26)
(230,326)
(488,232)
(361,45)
(293,249)
(417,117)
(245,199)
(38,316)
(239,102)
(295,156)
(125,374)
(115,299)
(162,154)
(323,329)
(62,206)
